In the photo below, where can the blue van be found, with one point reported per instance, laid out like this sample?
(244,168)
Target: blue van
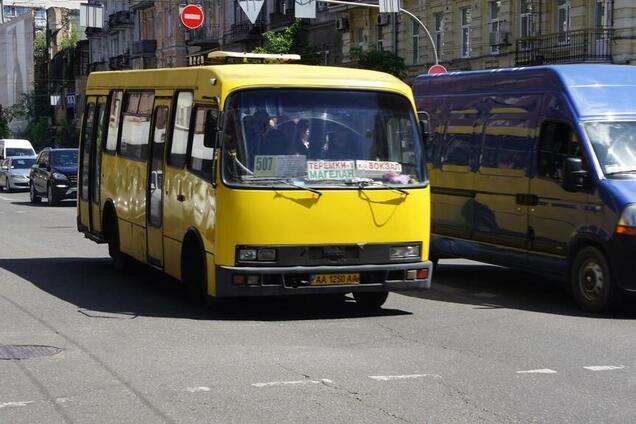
(535,168)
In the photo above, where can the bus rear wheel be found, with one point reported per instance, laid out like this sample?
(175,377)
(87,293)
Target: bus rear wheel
(370,300)
(121,261)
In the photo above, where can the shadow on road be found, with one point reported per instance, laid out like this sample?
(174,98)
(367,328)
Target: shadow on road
(491,287)
(99,291)
(43,204)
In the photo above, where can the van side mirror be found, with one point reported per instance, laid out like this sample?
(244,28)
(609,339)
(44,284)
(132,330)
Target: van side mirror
(574,176)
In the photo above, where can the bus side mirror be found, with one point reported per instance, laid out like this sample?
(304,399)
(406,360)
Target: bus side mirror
(211,128)
(574,176)
(425,127)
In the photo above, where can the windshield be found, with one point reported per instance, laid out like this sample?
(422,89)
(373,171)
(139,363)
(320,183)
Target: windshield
(321,138)
(22,163)
(64,158)
(13,151)
(615,145)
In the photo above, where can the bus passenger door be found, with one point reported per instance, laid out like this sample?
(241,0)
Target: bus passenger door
(85,171)
(155,184)
(96,165)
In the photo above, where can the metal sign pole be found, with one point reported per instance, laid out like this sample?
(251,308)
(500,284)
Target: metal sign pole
(1,12)
(377,6)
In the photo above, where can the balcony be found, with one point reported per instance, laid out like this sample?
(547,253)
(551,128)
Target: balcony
(144,48)
(205,36)
(245,31)
(119,62)
(585,45)
(119,19)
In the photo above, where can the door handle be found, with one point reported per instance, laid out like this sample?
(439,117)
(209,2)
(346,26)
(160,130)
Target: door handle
(527,199)
(180,197)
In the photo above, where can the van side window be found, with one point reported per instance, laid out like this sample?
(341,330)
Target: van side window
(116,98)
(204,132)
(558,141)
(180,129)
(135,131)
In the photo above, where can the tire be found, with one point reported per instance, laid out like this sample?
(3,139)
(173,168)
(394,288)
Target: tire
(591,281)
(33,194)
(193,274)
(370,301)
(51,198)
(121,261)
(8,187)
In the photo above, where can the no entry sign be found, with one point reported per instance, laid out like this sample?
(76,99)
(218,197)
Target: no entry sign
(437,69)
(192,16)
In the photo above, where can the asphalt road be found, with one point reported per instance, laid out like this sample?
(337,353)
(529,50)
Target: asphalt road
(484,345)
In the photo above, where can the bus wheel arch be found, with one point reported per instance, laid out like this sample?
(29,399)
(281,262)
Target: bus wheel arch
(110,230)
(193,266)
(590,276)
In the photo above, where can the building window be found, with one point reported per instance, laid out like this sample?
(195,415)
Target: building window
(380,38)
(416,43)
(494,25)
(466,19)
(439,32)
(360,37)
(563,20)
(603,14)
(525,19)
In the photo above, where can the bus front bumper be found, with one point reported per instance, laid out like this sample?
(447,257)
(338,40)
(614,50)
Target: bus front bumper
(282,281)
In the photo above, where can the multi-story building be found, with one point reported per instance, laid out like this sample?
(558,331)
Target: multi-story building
(482,34)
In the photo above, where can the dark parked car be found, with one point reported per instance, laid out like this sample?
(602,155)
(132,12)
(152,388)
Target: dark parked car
(14,172)
(54,175)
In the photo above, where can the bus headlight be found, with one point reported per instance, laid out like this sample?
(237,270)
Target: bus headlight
(255,254)
(627,221)
(405,252)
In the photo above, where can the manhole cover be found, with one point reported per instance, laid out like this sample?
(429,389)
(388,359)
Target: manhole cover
(27,351)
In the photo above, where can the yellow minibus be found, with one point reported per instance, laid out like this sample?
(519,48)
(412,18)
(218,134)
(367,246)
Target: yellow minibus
(258,179)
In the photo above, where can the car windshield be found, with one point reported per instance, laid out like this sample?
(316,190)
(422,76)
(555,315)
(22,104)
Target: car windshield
(321,138)
(22,163)
(14,151)
(614,145)
(65,158)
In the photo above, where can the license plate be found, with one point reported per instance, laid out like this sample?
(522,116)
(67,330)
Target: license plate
(334,279)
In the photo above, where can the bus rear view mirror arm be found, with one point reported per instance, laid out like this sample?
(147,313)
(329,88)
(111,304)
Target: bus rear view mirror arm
(574,176)
(425,127)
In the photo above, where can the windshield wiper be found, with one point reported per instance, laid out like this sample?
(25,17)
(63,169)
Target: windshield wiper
(284,181)
(626,171)
(363,183)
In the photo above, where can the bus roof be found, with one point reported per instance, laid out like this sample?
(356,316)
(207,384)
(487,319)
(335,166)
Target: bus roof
(595,90)
(249,75)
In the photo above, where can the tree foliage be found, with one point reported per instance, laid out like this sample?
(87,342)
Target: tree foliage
(291,40)
(74,37)
(383,61)
(4,124)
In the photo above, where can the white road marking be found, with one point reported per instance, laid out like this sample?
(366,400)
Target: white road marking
(604,367)
(197,389)
(20,211)
(4,198)
(62,400)
(297,382)
(540,371)
(12,404)
(402,377)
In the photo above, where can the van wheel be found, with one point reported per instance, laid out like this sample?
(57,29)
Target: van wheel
(121,261)
(193,273)
(370,301)
(33,194)
(591,281)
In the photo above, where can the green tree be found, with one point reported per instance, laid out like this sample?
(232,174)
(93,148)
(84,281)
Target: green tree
(4,124)
(74,37)
(383,61)
(291,40)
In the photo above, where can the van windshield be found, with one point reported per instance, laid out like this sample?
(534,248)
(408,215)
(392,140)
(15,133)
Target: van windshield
(324,138)
(614,145)
(15,151)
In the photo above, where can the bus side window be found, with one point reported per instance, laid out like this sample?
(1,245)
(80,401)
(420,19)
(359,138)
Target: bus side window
(116,98)
(135,130)
(202,151)
(180,129)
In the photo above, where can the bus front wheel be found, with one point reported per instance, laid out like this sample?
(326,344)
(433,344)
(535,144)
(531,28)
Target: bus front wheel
(193,272)
(370,300)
